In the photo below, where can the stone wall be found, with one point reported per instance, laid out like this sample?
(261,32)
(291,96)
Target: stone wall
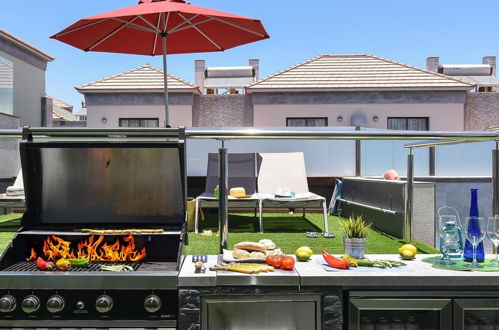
(222,111)
(481,111)
(190,302)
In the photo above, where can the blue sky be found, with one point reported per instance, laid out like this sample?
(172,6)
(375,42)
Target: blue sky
(408,31)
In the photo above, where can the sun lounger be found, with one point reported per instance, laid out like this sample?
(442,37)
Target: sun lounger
(286,170)
(241,173)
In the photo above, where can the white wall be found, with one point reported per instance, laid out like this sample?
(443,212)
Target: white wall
(443,116)
(180,115)
(29,88)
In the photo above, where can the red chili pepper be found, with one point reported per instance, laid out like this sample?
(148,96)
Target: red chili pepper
(335,262)
(44,265)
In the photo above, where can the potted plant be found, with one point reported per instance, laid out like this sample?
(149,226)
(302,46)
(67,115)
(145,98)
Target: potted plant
(354,239)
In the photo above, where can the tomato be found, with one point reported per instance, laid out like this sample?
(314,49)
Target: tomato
(276,261)
(288,263)
(268,260)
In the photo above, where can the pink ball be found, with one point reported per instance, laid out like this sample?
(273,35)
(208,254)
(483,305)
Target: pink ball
(391,175)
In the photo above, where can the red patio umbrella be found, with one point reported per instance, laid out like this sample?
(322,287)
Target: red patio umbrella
(179,26)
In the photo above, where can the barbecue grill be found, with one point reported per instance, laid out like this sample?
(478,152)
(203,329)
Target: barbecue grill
(114,201)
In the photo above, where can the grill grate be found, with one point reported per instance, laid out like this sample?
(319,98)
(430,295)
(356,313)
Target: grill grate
(30,266)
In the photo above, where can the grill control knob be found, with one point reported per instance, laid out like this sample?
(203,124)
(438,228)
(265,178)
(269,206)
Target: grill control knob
(152,303)
(7,304)
(104,304)
(55,304)
(30,304)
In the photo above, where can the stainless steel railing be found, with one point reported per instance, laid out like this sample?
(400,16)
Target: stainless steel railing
(425,138)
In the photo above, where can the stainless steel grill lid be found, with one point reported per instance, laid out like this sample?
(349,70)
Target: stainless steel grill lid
(86,183)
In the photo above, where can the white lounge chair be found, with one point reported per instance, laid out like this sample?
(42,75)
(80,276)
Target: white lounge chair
(286,170)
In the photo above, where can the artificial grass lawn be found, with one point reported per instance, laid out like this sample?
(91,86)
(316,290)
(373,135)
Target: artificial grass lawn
(8,225)
(288,232)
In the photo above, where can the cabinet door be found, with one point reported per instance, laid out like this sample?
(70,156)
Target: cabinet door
(393,313)
(476,314)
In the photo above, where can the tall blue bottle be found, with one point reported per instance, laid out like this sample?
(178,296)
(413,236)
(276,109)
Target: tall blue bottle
(473,225)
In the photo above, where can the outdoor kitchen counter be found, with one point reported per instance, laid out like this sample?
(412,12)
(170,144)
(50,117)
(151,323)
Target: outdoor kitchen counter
(188,277)
(416,274)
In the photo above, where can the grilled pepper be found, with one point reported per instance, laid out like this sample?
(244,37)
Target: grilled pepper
(63,264)
(79,262)
(335,262)
(44,265)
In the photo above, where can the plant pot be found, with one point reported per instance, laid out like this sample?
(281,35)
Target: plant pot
(354,247)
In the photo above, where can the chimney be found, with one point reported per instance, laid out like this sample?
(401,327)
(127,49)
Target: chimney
(255,63)
(199,69)
(491,60)
(432,63)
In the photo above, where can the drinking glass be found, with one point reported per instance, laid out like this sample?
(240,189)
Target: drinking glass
(493,235)
(474,231)
(449,233)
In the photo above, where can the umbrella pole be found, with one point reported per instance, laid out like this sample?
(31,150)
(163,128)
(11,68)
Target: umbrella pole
(165,78)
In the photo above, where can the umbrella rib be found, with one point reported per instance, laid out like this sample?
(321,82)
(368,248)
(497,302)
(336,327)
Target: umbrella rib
(187,21)
(156,35)
(166,22)
(201,32)
(156,29)
(81,27)
(193,24)
(135,26)
(111,34)
(237,26)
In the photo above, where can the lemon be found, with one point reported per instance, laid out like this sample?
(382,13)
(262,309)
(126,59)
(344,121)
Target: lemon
(306,250)
(302,256)
(408,247)
(407,255)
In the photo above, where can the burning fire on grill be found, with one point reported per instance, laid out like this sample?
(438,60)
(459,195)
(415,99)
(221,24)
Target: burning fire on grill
(93,248)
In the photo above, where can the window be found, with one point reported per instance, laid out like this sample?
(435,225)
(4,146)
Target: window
(483,89)
(306,122)
(408,124)
(139,122)
(6,86)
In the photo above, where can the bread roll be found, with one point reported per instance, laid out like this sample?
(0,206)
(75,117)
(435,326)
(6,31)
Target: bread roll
(256,254)
(268,243)
(250,246)
(240,254)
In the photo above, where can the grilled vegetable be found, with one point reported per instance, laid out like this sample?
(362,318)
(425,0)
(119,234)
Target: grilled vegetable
(79,262)
(117,268)
(63,264)
(335,262)
(387,263)
(245,268)
(44,265)
(353,262)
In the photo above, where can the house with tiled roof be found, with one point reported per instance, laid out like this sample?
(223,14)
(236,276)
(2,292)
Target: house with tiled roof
(359,90)
(22,81)
(135,99)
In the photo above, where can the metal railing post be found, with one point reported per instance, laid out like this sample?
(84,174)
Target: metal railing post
(358,155)
(431,151)
(409,186)
(223,224)
(495,180)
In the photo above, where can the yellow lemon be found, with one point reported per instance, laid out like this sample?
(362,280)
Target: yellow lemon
(408,247)
(407,255)
(302,256)
(304,249)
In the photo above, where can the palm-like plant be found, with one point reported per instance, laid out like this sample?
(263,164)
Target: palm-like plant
(356,227)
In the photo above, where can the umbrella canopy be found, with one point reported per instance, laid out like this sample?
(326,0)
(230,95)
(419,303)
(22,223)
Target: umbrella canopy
(161,27)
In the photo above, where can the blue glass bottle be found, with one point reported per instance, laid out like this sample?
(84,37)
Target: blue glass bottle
(474,226)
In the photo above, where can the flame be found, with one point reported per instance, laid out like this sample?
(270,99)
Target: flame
(95,249)
(32,255)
